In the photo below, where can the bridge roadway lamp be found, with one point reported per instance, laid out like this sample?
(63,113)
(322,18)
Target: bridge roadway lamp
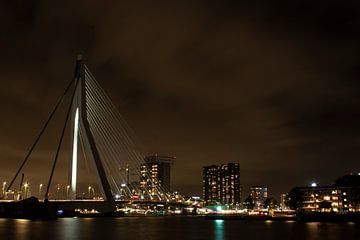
(3,188)
(40,189)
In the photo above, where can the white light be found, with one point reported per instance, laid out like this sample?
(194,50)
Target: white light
(313,184)
(75,152)
(123,185)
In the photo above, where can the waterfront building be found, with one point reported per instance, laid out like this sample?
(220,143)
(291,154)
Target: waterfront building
(258,195)
(211,184)
(221,184)
(230,184)
(155,175)
(342,197)
(283,202)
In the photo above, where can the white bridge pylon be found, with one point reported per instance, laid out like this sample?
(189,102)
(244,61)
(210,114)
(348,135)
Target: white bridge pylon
(81,126)
(108,141)
(75,154)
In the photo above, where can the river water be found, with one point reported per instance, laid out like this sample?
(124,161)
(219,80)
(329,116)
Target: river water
(173,228)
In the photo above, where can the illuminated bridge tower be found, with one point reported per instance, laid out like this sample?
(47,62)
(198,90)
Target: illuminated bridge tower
(81,125)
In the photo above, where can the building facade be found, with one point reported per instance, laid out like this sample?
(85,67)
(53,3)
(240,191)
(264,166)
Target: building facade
(211,184)
(283,201)
(221,184)
(326,199)
(258,195)
(155,175)
(342,197)
(230,183)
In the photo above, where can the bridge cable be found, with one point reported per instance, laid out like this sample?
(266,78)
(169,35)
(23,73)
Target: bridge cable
(103,133)
(109,113)
(61,140)
(129,142)
(96,119)
(40,134)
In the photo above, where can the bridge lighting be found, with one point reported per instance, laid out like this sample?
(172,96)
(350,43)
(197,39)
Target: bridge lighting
(89,190)
(26,185)
(314,184)
(3,188)
(75,153)
(67,191)
(123,185)
(218,208)
(40,189)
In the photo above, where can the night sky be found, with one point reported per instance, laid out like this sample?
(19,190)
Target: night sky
(272,85)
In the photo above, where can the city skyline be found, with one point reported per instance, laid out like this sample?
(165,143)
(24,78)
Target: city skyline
(273,88)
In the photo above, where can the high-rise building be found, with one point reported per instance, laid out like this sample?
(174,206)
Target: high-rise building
(222,184)
(211,184)
(155,175)
(259,195)
(230,183)
(283,201)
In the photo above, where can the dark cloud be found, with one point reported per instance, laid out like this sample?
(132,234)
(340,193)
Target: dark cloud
(271,85)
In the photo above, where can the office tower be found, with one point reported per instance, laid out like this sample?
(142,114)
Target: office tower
(283,201)
(230,183)
(211,184)
(259,195)
(155,175)
(221,185)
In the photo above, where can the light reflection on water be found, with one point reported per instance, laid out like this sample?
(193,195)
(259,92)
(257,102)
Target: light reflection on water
(173,228)
(70,228)
(219,229)
(22,228)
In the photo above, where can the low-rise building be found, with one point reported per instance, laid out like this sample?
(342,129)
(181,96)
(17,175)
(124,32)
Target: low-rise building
(343,196)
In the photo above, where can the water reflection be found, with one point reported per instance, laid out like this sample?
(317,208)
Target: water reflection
(21,228)
(69,228)
(174,228)
(219,229)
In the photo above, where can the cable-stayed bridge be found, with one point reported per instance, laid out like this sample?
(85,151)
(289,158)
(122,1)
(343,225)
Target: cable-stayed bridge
(106,142)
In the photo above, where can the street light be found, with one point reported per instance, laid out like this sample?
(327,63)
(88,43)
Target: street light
(3,188)
(89,191)
(26,185)
(40,189)
(67,191)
